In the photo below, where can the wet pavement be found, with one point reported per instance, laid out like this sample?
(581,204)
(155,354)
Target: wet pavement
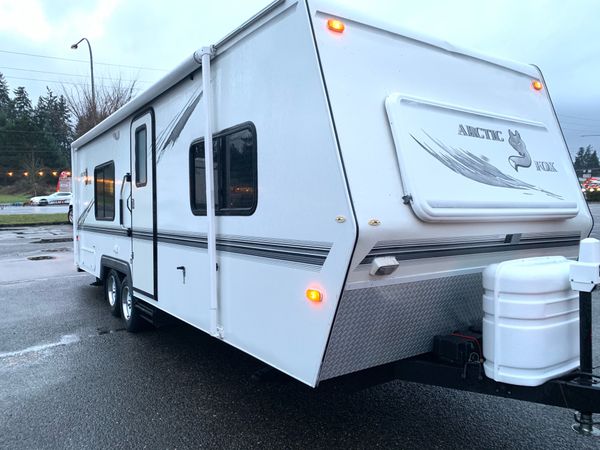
(71,377)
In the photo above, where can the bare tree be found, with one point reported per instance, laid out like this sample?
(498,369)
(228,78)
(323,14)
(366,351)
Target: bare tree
(32,165)
(109,98)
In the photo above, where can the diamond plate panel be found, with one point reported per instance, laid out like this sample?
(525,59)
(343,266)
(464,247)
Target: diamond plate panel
(378,325)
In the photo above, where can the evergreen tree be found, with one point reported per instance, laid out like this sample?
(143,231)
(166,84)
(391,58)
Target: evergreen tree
(22,104)
(4,94)
(586,159)
(5,103)
(33,139)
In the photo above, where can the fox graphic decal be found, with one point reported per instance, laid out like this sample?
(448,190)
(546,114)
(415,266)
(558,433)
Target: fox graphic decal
(524,159)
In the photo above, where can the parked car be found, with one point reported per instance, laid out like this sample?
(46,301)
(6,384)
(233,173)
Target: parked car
(590,184)
(58,198)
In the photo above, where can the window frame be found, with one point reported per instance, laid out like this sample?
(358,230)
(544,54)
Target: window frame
(102,167)
(135,151)
(220,180)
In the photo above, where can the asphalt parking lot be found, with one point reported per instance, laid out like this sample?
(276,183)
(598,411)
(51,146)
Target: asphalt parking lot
(71,377)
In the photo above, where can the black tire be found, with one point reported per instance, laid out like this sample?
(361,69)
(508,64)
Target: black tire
(43,203)
(112,292)
(131,316)
(70,215)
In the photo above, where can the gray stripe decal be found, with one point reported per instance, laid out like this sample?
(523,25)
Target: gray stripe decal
(104,230)
(407,251)
(312,253)
(294,252)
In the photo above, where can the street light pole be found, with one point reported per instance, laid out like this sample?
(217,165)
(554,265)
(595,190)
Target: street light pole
(74,47)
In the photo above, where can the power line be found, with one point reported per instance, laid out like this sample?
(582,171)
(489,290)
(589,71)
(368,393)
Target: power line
(30,132)
(53,81)
(69,74)
(579,117)
(582,130)
(578,124)
(81,61)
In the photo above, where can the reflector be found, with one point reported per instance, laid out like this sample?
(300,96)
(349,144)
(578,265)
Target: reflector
(537,85)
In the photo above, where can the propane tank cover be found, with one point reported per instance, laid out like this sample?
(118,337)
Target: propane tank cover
(589,251)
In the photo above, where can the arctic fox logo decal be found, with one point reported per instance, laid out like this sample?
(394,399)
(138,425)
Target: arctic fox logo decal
(478,168)
(524,159)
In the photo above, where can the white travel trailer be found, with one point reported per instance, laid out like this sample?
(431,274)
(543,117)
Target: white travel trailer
(360,178)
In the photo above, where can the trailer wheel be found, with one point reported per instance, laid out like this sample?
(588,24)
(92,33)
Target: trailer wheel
(130,314)
(112,292)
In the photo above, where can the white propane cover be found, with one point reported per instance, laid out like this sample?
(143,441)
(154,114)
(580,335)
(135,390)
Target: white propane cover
(530,322)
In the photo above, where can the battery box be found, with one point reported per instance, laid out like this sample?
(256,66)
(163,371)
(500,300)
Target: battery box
(458,348)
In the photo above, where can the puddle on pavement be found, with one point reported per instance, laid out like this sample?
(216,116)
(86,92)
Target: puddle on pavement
(56,250)
(41,258)
(103,330)
(52,241)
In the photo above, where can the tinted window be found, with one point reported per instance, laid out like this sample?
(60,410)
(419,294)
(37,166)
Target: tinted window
(238,154)
(141,157)
(104,191)
(234,172)
(199,177)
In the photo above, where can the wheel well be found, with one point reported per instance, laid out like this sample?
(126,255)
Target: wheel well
(119,266)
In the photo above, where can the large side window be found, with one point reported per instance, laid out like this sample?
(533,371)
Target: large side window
(104,191)
(234,172)
(141,157)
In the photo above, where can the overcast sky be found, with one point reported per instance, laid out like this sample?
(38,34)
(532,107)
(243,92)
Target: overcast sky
(142,40)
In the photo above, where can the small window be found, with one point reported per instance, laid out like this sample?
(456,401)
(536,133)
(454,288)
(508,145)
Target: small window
(234,172)
(141,157)
(104,191)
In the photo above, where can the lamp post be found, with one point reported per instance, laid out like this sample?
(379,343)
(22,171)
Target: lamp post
(74,47)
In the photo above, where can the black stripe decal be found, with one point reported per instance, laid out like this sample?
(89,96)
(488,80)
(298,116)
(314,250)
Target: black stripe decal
(408,252)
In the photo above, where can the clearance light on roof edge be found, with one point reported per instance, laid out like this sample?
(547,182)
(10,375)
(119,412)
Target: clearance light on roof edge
(537,85)
(336,25)
(314,295)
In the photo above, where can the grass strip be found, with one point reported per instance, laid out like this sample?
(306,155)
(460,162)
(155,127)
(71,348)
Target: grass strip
(10,198)
(32,219)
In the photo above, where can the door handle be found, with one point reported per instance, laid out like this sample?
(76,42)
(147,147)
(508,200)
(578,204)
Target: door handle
(126,179)
(182,268)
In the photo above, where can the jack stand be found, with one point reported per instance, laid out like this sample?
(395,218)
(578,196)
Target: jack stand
(585,425)
(584,277)
(585,420)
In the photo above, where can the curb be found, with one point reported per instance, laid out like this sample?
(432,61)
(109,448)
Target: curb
(39,224)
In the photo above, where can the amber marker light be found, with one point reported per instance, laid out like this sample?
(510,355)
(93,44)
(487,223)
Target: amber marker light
(537,85)
(336,25)
(314,295)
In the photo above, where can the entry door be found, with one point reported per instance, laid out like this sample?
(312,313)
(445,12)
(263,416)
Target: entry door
(143,207)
